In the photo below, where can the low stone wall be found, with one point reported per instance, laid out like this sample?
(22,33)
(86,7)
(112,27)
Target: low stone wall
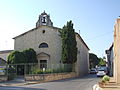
(3,78)
(50,77)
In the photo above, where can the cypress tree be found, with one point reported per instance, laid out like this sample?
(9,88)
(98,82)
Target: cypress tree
(69,44)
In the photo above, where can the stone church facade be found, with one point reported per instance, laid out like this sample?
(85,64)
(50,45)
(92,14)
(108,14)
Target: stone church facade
(46,41)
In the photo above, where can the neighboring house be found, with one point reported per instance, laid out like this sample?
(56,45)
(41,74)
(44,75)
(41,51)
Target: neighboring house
(4,54)
(46,41)
(110,60)
(2,62)
(3,57)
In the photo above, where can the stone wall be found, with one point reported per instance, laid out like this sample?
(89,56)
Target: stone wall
(50,77)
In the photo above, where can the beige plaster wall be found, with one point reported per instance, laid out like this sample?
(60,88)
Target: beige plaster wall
(82,64)
(117,51)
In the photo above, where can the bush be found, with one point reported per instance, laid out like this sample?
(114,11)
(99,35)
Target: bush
(62,69)
(37,71)
(47,71)
(106,78)
(26,56)
(40,71)
(16,57)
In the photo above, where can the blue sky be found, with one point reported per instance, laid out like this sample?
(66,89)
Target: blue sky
(94,18)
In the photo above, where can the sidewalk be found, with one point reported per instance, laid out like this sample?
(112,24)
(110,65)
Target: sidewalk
(17,82)
(14,83)
(112,87)
(108,87)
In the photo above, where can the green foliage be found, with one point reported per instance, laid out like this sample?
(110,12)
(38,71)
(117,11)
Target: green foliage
(48,71)
(37,71)
(106,78)
(102,62)
(30,55)
(16,57)
(26,56)
(66,68)
(69,44)
(94,60)
(40,71)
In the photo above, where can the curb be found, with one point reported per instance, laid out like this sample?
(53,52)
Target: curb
(18,84)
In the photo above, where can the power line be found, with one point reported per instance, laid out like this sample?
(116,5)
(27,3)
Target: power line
(105,34)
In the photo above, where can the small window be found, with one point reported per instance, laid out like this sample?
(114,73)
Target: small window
(43,45)
(43,31)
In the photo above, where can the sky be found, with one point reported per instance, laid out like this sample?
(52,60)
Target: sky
(93,19)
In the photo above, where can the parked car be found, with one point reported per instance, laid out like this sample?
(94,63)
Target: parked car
(93,71)
(103,68)
(101,72)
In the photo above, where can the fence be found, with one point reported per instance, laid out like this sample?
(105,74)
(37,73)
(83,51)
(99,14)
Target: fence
(15,70)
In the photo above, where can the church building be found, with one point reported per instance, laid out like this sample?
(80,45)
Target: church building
(46,41)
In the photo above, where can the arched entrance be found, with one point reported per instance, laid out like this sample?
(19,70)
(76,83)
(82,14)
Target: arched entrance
(43,60)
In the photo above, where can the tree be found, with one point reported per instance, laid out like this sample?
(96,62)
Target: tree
(26,56)
(102,62)
(94,60)
(30,55)
(16,57)
(69,44)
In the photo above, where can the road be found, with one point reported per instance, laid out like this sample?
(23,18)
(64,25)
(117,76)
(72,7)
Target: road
(81,83)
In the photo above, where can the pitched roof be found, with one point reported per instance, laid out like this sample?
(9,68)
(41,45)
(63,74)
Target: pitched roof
(44,13)
(6,51)
(111,47)
(35,29)
(82,41)
(2,60)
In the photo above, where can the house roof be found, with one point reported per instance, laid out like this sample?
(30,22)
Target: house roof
(44,13)
(6,51)
(43,53)
(82,41)
(2,60)
(35,29)
(111,47)
(107,51)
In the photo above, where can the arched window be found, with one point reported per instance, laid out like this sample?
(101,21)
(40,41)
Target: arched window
(43,45)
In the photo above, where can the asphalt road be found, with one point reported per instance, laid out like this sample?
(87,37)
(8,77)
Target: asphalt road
(81,83)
